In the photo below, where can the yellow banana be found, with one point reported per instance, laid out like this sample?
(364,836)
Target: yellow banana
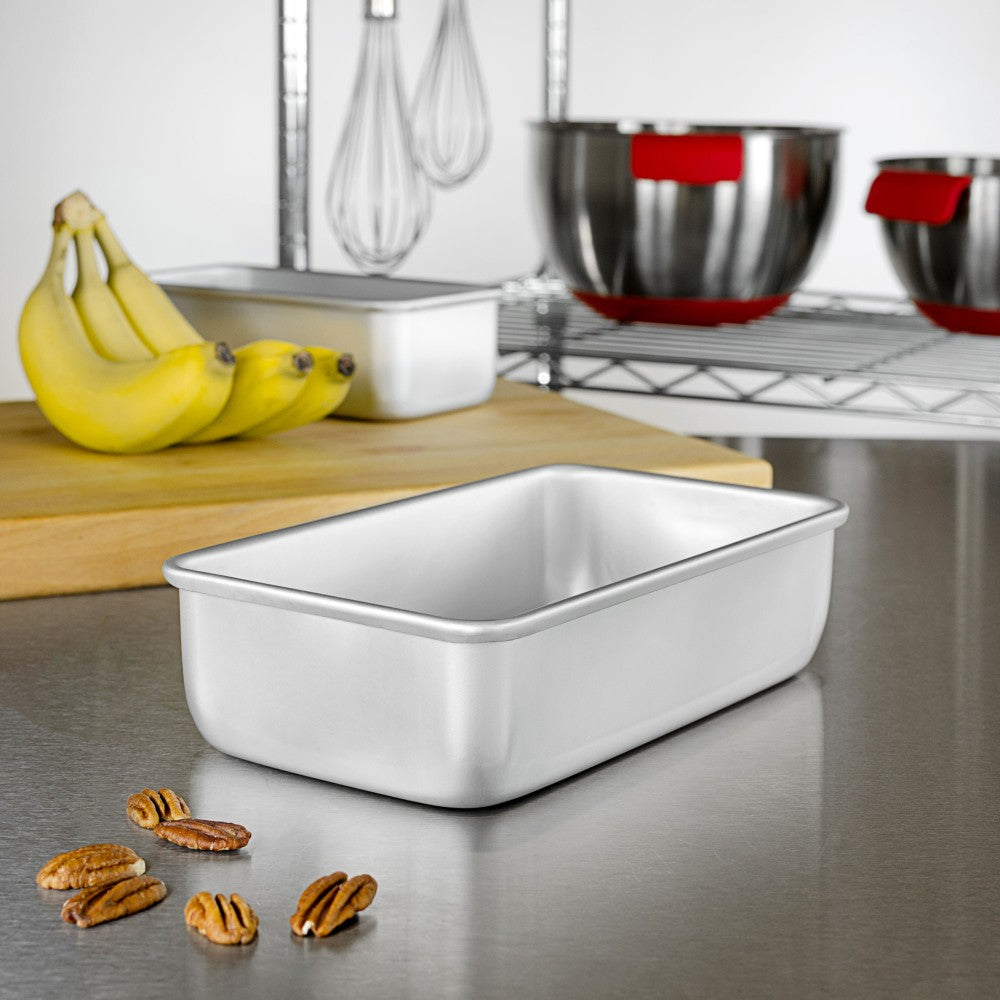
(270,375)
(272,387)
(158,322)
(112,406)
(326,387)
(107,327)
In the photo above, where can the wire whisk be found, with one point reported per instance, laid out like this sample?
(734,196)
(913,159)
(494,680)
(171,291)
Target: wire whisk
(378,199)
(451,122)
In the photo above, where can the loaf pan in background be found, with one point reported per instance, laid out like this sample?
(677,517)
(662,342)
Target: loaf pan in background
(421,347)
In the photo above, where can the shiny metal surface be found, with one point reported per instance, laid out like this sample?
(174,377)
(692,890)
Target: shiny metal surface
(380,9)
(957,263)
(293,134)
(834,837)
(499,608)
(606,232)
(380,321)
(555,98)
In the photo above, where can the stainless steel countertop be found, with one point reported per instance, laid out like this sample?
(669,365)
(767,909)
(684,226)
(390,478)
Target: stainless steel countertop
(836,836)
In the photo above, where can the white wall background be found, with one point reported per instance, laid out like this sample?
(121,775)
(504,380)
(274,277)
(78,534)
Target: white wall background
(164,113)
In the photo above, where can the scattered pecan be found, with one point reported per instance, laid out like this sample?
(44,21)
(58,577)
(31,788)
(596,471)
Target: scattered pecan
(222,919)
(203,834)
(149,807)
(331,901)
(101,903)
(95,864)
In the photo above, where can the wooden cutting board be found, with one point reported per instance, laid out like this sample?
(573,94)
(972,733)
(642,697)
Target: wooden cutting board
(73,521)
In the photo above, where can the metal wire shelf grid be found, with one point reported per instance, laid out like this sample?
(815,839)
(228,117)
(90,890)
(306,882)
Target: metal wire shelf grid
(866,354)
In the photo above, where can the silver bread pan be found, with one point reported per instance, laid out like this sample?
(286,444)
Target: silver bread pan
(420,347)
(467,646)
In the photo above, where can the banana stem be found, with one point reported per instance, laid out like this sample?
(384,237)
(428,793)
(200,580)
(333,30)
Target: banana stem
(56,267)
(113,252)
(86,258)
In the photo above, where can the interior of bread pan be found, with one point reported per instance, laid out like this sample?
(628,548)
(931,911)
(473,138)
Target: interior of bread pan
(506,546)
(283,284)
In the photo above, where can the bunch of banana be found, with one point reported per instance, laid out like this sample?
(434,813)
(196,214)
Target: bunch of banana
(116,367)
(138,405)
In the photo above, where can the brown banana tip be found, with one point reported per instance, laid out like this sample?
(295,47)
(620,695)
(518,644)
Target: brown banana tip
(303,362)
(76,211)
(345,365)
(224,354)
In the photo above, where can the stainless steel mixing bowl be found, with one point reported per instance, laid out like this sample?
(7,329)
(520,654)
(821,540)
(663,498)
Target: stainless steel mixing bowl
(682,223)
(941,224)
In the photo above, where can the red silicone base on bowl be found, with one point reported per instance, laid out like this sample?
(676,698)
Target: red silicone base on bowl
(961,319)
(687,312)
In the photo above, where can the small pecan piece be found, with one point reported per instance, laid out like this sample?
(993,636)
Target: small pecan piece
(222,919)
(95,864)
(149,807)
(203,834)
(102,903)
(331,901)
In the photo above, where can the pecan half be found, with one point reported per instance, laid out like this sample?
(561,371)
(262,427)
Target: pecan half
(102,903)
(95,864)
(149,807)
(222,919)
(331,901)
(203,834)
